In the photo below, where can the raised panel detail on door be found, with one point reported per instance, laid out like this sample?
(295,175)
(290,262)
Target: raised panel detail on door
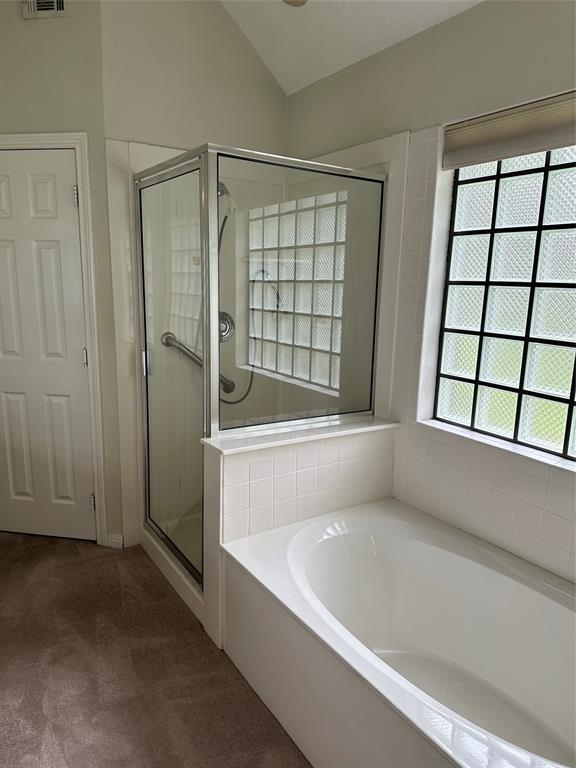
(60,448)
(45,431)
(17,443)
(52,328)
(5,197)
(10,321)
(42,196)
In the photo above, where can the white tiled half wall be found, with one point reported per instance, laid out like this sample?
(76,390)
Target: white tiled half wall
(272,487)
(515,501)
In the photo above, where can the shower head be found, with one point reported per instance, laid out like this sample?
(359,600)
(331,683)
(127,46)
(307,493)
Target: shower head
(223,190)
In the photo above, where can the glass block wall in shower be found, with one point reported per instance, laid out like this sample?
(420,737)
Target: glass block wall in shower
(297,255)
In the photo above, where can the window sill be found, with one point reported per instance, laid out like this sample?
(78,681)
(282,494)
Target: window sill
(503,445)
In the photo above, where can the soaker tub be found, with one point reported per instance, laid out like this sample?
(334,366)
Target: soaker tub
(474,647)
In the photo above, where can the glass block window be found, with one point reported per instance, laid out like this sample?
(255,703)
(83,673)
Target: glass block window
(184,291)
(508,341)
(297,253)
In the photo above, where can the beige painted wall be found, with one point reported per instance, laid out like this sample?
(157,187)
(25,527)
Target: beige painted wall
(182,73)
(52,81)
(499,53)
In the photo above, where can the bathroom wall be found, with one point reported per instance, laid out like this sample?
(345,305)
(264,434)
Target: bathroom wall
(52,81)
(182,73)
(511,498)
(277,486)
(490,57)
(493,56)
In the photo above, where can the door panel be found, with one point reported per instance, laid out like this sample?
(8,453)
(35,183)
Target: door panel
(172,294)
(46,477)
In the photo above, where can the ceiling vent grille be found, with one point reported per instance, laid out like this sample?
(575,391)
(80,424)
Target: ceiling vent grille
(42,9)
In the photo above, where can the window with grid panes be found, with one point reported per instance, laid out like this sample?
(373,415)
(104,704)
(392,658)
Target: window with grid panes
(297,252)
(508,340)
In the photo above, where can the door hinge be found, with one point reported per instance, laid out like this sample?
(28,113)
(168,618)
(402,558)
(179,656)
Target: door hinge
(145,362)
(93,502)
(75,195)
(85,356)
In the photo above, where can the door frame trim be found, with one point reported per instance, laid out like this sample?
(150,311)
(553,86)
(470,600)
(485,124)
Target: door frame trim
(78,141)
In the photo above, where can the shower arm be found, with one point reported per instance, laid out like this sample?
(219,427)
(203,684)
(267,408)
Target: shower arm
(170,340)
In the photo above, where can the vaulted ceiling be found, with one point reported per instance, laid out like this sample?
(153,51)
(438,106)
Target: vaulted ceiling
(302,45)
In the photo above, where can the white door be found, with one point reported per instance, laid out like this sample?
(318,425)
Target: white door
(46,477)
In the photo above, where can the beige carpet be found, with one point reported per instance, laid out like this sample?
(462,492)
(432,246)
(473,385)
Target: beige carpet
(102,666)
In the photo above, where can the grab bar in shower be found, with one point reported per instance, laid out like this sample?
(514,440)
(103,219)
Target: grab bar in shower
(170,340)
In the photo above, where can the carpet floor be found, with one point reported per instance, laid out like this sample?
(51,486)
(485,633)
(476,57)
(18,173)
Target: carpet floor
(103,666)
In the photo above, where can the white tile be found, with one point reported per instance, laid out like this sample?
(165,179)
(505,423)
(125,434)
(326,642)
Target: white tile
(235,472)
(416,446)
(436,453)
(528,518)
(412,241)
(434,480)
(261,518)
(531,488)
(348,450)
(386,441)
(562,476)
(284,463)
(284,512)
(561,500)
(480,466)
(284,487)
(328,500)
(501,506)
(524,464)
(261,468)
(554,559)
(358,469)
(558,531)
(418,158)
(456,459)
(327,476)
(235,526)
(477,496)
(380,487)
(505,479)
(327,454)
(261,492)
(306,481)
(455,486)
(474,521)
(525,545)
(235,498)
(306,506)
(370,444)
(306,458)
(499,533)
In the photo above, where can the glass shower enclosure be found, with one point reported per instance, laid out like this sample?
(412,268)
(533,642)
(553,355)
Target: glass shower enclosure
(258,280)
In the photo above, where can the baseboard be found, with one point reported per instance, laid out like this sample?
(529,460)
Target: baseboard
(177,576)
(114,540)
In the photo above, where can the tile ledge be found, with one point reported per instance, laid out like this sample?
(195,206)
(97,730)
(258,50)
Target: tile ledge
(293,434)
(514,448)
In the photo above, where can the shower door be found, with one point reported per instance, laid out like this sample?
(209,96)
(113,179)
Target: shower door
(172,328)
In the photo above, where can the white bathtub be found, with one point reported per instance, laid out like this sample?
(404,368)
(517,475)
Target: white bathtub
(472,646)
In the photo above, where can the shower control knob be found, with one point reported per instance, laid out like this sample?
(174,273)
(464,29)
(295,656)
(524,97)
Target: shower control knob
(227,326)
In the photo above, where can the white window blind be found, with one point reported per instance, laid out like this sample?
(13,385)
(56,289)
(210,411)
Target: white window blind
(531,128)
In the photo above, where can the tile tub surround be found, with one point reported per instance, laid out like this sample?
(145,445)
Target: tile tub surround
(275,486)
(513,498)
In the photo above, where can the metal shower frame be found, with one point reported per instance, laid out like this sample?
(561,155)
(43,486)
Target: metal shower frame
(204,159)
